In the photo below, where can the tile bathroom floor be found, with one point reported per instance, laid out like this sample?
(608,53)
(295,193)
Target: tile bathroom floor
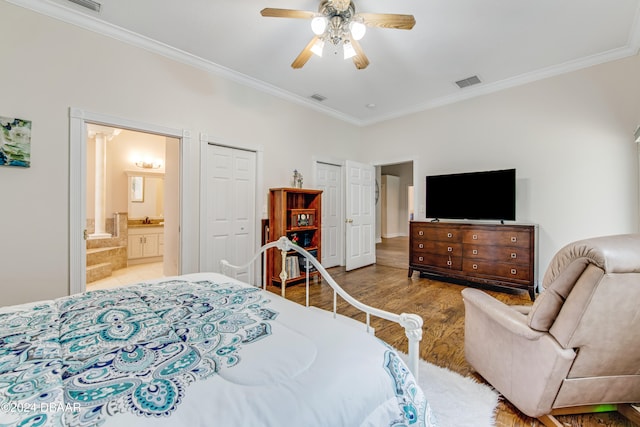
(128,276)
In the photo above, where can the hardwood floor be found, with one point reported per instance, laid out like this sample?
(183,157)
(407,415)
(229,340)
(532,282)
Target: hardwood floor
(386,285)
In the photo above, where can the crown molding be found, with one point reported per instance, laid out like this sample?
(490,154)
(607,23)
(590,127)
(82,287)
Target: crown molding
(88,22)
(512,82)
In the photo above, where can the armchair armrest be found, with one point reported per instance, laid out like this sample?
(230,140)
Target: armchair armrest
(508,317)
(525,365)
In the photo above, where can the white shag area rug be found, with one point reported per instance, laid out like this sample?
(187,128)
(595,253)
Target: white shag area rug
(456,401)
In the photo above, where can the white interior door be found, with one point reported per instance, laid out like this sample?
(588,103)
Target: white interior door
(329,180)
(230,194)
(360,215)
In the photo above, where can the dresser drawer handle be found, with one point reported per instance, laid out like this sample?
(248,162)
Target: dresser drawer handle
(420,258)
(449,263)
(514,255)
(475,266)
(514,239)
(449,249)
(420,233)
(474,237)
(449,235)
(475,252)
(421,246)
(514,271)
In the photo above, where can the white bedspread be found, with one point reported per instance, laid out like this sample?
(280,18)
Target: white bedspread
(197,350)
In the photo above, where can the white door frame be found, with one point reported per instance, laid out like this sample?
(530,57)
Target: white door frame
(261,207)
(188,241)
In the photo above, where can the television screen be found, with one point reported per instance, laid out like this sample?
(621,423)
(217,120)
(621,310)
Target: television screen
(489,195)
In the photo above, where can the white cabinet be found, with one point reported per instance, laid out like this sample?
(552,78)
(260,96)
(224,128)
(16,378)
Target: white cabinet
(145,242)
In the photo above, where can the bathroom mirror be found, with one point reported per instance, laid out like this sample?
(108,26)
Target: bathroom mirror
(137,189)
(146,196)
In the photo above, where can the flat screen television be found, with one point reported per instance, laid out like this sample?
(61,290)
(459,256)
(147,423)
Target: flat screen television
(487,195)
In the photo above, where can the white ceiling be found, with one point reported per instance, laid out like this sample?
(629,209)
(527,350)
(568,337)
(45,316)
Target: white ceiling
(503,42)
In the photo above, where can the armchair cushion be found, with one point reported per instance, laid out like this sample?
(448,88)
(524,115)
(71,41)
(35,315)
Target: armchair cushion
(612,254)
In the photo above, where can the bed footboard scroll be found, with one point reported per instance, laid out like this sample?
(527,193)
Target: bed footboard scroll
(412,323)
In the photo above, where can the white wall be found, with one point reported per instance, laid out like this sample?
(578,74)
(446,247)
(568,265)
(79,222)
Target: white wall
(49,66)
(569,137)
(392,225)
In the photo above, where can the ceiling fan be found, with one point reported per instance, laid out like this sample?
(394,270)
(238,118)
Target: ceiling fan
(337,22)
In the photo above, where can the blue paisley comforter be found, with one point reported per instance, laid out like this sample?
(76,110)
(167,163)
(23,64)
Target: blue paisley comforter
(196,350)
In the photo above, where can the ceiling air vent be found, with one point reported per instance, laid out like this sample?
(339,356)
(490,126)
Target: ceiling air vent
(469,81)
(318,97)
(89,4)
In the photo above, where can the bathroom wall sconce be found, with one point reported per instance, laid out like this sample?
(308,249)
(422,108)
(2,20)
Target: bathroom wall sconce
(149,164)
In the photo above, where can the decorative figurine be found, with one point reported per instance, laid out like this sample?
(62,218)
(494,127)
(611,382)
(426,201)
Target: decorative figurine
(297,179)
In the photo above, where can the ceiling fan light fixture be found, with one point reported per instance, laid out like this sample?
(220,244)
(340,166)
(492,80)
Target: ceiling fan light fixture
(318,25)
(349,51)
(317,47)
(357,29)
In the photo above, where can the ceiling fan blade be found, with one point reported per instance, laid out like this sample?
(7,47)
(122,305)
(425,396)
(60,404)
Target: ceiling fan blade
(287,13)
(360,60)
(388,20)
(304,55)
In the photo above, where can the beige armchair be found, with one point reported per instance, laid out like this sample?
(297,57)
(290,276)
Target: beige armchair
(577,348)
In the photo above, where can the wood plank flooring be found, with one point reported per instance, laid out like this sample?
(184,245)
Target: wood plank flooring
(386,285)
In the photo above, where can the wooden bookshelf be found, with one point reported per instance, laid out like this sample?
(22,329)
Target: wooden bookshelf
(295,213)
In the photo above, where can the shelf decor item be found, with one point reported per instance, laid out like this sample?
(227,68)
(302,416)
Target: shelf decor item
(15,142)
(296,181)
(301,218)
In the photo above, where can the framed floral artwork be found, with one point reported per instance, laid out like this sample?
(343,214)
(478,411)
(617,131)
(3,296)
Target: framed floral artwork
(15,142)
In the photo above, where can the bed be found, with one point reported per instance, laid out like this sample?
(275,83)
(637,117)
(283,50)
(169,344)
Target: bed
(202,349)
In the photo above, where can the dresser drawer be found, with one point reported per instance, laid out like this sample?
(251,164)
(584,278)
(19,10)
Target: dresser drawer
(512,254)
(435,247)
(439,261)
(430,232)
(496,269)
(497,237)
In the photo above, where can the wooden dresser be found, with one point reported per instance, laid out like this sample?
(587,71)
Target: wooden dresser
(498,255)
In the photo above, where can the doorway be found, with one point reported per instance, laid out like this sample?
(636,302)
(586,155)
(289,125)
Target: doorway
(178,192)
(126,194)
(395,209)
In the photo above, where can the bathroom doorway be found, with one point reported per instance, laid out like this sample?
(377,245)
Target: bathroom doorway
(125,197)
(178,191)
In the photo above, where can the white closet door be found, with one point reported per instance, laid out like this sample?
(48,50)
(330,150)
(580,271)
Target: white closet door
(329,180)
(230,207)
(360,215)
